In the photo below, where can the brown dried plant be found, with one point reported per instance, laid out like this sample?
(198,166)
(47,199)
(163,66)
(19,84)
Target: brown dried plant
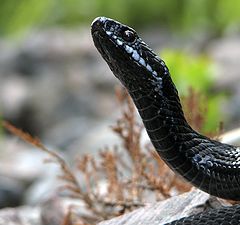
(196,110)
(123,177)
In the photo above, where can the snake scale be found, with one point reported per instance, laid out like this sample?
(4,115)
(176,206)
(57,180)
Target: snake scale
(209,165)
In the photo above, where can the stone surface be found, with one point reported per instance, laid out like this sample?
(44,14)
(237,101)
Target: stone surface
(166,211)
(231,137)
(55,210)
(24,177)
(10,192)
(51,83)
(20,161)
(25,215)
(226,54)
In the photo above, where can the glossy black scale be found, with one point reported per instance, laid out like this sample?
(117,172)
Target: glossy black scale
(207,164)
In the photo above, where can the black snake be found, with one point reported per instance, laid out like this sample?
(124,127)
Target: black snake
(211,166)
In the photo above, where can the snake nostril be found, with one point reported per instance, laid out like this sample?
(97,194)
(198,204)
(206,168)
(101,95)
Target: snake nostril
(98,24)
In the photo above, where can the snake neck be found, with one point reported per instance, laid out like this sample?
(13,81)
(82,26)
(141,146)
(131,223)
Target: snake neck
(160,109)
(209,165)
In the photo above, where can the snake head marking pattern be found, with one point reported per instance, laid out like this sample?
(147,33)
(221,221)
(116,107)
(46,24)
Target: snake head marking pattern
(130,52)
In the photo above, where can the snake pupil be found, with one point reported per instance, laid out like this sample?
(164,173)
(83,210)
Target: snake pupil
(128,36)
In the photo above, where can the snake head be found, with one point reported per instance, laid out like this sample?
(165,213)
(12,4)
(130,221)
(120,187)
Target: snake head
(127,55)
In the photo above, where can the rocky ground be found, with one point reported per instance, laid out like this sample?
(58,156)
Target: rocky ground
(54,85)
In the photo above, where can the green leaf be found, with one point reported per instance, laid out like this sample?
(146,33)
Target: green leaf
(197,72)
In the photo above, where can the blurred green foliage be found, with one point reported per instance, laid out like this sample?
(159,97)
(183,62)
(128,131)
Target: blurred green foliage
(188,70)
(197,72)
(17,16)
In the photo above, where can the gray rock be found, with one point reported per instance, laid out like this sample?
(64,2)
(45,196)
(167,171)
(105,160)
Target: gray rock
(95,138)
(43,187)
(24,215)
(166,211)
(52,78)
(231,137)
(24,177)
(55,210)
(10,192)
(20,161)
(226,53)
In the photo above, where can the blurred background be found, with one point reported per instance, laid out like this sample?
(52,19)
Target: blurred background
(55,85)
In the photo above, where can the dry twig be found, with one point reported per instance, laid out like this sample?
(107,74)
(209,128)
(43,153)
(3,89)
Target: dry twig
(129,178)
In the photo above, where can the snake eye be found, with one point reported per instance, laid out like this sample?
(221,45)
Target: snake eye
(129,36)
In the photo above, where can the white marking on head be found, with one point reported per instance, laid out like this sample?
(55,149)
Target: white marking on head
(119,42)
(128,49)
(149,68)
(162,63)
(142,61)
(101,19)
(158,81)
(154,73)
(135,55)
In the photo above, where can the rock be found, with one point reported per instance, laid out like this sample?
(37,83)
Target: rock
(45,183)
(24,215)
(11,191)
(226,53)
(169,210)
(19,167)
(54,79)
(95,138)
(231,137)
(24,177)
(20,161)
(43,187)
(54,211)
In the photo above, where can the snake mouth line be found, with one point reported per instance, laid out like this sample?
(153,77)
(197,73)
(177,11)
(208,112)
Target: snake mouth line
(98,38)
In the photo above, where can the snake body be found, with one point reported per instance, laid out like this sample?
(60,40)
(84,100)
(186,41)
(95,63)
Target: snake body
(209,165)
